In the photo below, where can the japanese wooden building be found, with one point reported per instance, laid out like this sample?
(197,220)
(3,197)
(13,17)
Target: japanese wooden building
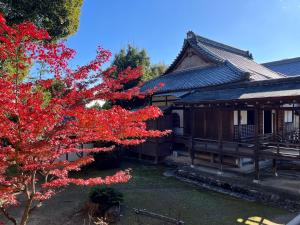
(224,108)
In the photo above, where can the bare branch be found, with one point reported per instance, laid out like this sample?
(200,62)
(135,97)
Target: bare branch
(8,216)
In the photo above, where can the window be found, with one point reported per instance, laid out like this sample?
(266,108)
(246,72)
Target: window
(288,116)
(235,118)
(244,116)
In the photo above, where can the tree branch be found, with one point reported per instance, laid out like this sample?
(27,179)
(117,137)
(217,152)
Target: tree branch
(8,216)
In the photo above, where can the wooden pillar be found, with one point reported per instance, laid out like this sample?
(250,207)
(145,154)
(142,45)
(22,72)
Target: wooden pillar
(140,151)
(298,125)
(156,145)
(205,123)
(277,121)
(274,165)
(293,116)
(220,137)
(191,145)
(276,131)
(239,124)
(257,144)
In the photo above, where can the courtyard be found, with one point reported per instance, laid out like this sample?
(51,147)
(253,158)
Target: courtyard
(149,189)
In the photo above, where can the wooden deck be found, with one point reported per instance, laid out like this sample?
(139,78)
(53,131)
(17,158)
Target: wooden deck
(266,149)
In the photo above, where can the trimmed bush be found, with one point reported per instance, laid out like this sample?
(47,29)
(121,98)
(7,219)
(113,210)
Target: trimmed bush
(105,198)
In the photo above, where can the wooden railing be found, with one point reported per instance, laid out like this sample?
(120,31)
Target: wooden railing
(267,148)
(244,131)
(280,150)
(225,147)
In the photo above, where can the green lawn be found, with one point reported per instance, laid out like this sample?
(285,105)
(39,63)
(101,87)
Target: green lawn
(150,190)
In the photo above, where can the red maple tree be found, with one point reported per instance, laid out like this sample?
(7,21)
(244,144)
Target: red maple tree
(35,133)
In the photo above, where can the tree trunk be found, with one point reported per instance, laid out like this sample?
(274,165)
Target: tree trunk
(25,216)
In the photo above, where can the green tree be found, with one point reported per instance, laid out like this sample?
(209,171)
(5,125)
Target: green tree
(134,57)
(156,70)
(59,17)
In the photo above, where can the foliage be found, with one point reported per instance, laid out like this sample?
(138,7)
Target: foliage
(156,70)
(133,57)
(105,197)
(59,17)
(36,136)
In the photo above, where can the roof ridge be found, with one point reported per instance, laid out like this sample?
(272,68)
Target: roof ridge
(216,44)
(235,68)
(282,61)
(231,65)
(206,51)
(191,69)
(193,43)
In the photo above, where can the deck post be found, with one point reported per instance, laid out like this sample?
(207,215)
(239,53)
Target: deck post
(276,122)
(256,151)
(220,137)
(274,161)
(275,167)
(205,122)
(140,147)
(191,145)
(156,158)
(239,124)
(298,126)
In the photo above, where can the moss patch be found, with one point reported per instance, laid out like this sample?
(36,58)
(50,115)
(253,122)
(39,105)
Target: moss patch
(150,190)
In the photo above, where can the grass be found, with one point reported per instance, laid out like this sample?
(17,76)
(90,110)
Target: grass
(150,190)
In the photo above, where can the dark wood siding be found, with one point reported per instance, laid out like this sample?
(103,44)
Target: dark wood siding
(228,128)
(206,123)
(200,123)
(156,147)
(187,121)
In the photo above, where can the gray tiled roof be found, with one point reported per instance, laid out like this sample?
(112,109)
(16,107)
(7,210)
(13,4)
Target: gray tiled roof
(289,67)
(177,94)
(232,65)
(239,58)
(285,87)
(196,78)
(257,71)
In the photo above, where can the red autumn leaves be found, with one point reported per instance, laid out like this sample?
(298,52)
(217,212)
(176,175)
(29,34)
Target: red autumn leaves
(35,133)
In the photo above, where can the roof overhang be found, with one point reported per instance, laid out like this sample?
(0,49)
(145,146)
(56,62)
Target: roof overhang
(286,88)
(177,94)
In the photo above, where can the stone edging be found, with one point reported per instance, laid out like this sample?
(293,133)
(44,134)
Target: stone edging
(250,192)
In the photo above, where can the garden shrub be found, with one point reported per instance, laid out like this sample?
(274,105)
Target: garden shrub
(105,197)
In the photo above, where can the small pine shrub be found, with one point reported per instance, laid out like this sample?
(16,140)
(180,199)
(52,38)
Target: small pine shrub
(105,197)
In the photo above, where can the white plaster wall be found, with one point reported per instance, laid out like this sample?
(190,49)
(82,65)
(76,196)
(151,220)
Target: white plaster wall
(179,130)
(74,156)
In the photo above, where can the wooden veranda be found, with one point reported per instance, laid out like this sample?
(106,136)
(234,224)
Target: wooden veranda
(211,131)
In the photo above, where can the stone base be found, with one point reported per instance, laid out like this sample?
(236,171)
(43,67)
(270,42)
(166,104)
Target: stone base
(240,187)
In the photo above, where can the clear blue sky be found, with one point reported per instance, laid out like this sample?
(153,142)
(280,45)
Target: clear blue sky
(270,29)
